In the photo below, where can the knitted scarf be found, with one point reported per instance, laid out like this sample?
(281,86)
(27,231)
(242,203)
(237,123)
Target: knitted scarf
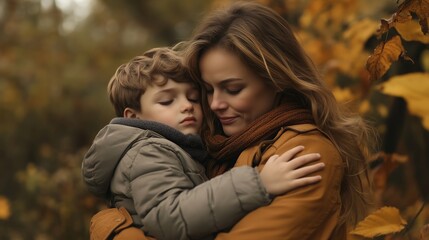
(226,150)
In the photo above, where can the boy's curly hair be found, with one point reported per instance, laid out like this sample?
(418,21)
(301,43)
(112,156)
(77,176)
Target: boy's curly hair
(156,66)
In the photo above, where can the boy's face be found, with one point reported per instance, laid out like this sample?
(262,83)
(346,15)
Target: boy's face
(174,104)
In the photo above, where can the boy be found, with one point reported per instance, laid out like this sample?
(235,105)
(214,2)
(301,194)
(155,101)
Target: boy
(149,161)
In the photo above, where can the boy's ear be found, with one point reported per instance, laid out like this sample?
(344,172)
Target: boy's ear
(130,113)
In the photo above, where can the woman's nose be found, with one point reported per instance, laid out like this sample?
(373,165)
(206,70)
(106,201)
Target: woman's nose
(216,102)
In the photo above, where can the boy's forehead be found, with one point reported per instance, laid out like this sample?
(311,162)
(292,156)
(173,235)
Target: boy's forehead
(169,83)
(161,80)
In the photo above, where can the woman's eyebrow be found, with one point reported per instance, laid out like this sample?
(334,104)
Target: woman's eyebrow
(228,80)
(225,81)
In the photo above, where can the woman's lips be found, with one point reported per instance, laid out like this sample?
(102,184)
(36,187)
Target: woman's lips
(227,120)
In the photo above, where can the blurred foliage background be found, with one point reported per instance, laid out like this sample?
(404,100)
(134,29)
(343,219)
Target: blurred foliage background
(56,57)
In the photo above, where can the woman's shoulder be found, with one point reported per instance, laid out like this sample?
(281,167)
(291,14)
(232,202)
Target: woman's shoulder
(299,130)
(309,136)
(306,133)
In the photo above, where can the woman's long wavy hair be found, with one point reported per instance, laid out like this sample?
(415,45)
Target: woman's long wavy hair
(265,42)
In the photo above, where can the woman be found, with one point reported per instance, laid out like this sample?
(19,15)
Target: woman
(264,97)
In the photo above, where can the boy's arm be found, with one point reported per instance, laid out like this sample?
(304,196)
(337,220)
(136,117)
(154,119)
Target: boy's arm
(171,207)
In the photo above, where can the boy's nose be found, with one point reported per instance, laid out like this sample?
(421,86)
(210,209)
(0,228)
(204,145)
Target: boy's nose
(187,106)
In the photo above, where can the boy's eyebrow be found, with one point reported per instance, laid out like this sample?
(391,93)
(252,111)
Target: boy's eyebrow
(172,90)
(167,90)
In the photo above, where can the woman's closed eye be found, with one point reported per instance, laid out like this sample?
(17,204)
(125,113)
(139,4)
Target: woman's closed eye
(234,90)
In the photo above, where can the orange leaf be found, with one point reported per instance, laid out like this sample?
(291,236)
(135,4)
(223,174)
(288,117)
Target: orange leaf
(410,31)
(4,208)
(418,7)
(384,55)
(403,14)
(386,220)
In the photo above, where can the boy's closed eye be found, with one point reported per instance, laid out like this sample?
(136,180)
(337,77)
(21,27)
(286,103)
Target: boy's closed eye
(165,102)
(194,100)
(193,96)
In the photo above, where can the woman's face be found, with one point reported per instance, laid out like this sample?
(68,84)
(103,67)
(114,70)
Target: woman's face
(235,94)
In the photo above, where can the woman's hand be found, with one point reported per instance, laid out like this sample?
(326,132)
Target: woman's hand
(284,173)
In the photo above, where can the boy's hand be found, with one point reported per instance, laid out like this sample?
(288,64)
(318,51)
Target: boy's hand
(284,173)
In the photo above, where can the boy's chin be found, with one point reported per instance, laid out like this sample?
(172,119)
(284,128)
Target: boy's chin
(189,132)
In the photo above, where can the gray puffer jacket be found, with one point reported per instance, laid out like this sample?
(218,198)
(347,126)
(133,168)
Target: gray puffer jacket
(143,166)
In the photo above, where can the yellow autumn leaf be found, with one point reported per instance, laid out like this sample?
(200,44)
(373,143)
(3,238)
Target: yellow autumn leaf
(382,110)
(364,107)
(310,13)
(4,208)
(386,220)
(410,31)
(313,46)
(419,7)
(384,55)
(360,31)
(342,94)
(354,39)
(414,88)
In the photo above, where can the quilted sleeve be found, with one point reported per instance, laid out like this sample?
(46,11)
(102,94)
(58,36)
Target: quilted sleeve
(171,206)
